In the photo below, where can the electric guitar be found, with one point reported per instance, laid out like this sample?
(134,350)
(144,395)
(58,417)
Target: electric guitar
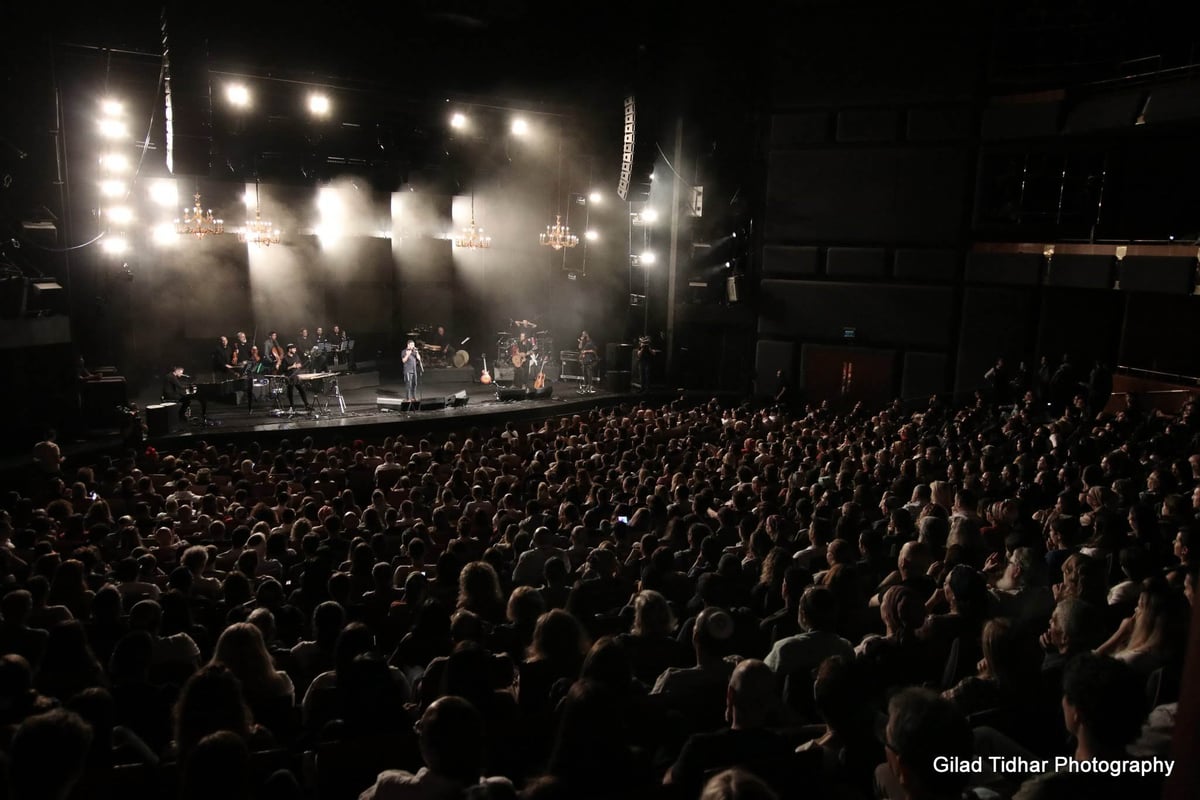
(485,378)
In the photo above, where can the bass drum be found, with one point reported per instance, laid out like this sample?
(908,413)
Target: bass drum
(461,359)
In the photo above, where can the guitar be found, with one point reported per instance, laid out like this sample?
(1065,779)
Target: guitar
(540,381)
(485,378)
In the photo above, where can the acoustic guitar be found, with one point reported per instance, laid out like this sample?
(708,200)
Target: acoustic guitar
(540,381)
(485,378)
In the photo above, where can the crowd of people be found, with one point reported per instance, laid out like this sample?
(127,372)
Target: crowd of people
(684,601)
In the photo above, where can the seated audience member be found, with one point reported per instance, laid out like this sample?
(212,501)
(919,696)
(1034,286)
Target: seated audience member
(651,643)
(1103,702)
(736,784)
(801,654)
(699,692)
(452,743)
(48,755)
(899,657)
(1021,594)
(752,704)
(921,727)
(848,747)
(1153,637)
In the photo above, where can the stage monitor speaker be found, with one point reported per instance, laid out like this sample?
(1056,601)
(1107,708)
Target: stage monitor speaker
(617,380)
(457,399)
(541,394)
(158,418)
(618,355)
(507,393)
(431,404)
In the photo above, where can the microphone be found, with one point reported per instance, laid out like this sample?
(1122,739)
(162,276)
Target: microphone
(185,375)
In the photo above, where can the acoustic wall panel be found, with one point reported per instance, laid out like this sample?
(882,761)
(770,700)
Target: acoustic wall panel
(927,265)
(855,262)
(1080,271)
(900,195)
(1020,269)
(1157,274)
(786,262)
(898,316)
(769,357)
(1020,120)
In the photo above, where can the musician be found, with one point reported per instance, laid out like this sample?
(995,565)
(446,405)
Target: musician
(272,351)
(341,340)
(174,391)
(321,337)
(254,366)
(412,367)
(221,355)
(522,348)
(645,357)
(587,360)
(303,343)
(291,366)
(440,340)
(240,351)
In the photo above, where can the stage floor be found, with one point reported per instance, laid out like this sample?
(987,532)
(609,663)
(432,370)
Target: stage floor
(363,417)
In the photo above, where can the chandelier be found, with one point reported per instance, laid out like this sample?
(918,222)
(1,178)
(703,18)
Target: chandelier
(471,235)
(259,231)
(196,222)
(558,235)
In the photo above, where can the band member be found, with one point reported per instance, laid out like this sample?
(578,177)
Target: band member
(254,366)
(272,351)
(440,340)
(321,338)
(174,391)
(645,358)
(340,340)
(413,367)
(222,366)
(521,351)
(587,360)
(239,352)
(303,342)
(292,364)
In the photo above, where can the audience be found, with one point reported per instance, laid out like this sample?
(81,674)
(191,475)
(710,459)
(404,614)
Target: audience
(760,586)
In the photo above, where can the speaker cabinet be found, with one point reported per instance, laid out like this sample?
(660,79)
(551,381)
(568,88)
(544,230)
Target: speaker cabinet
(617,380)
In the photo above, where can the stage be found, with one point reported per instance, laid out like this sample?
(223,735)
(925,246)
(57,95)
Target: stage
(449,399)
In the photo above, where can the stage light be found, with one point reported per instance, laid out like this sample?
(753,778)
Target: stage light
(113,129)
(164,193)
(112,188)
(328,233)
(595,197)
(328,201)
(120,215)
(318,104)
(238,95)
(458,121)
(112,108)
(651,176)
(164,234)
(114,245)
(591,236)
(115,162)
(520,127)
(649,215)
(648,258)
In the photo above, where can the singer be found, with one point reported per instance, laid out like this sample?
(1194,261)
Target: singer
(413,367)
(174,391)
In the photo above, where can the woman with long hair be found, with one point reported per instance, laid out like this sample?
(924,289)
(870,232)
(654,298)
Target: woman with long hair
(1151,637)
(69,588)
(212,701)
(68,666)
(268,691)
(651,642)
(479,592)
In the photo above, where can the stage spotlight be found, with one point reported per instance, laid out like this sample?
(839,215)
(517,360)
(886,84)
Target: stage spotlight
(238,95)
(595,197)
(112,188)
(120,215)
(114,245)
(458,121)
(329,203)
(520,127)
(165,235)
(591,236)
(318,104)
(112,108)
(113,129)
(649,215)
(328,233)
(164,193)
(115,162)
(648,258)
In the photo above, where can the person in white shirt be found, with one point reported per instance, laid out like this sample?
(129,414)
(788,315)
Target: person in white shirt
(816,642)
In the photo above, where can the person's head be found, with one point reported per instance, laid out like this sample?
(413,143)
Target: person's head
(652,615)
(410,345)
(913,559)
(1103,704)
(452,740)
(1183,543)
(525,606)
(16,607)
(752,696)
(47,755)
(242,649)
(218,766)
(479,587)
(838,697)
(1022,570)
(1011,656)
(902,611)
(818,609)
(211,700)
(921,726)
(712,633)
(737,784)
(558,637)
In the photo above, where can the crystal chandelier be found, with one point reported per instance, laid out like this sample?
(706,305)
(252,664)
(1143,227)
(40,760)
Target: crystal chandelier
(196,222)
(471,235)
(558,235)
(259,231)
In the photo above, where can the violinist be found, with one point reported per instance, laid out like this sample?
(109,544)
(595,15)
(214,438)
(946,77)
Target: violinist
(224,360)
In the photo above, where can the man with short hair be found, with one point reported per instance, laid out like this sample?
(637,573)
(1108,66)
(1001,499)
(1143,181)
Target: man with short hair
(452,742)
(751,700)
(528,571)
(921,727)
(818,617)
(1021,592)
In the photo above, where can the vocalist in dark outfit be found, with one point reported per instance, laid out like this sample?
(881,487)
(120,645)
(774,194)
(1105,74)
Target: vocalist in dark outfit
(413,367)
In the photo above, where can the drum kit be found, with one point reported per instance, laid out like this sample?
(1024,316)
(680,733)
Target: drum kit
(433,356)
(510,354)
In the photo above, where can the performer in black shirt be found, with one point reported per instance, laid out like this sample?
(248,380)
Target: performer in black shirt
(292,365)
(587,360)
(222,366)
(174,391)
